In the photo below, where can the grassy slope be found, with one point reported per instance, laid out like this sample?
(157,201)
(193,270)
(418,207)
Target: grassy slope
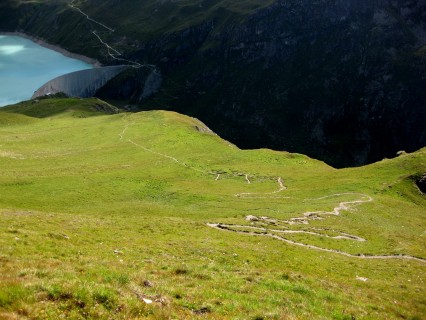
(88,216)
(137,20)
(156,17)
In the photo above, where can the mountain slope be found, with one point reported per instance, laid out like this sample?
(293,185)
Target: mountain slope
(341,81)
(102,213)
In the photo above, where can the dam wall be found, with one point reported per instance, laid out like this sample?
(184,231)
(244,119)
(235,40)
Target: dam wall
(82,84)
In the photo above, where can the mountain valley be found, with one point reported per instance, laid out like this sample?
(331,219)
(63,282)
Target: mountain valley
(340,81)
(251,159)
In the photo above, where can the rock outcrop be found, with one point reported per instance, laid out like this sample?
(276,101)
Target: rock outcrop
(421,183)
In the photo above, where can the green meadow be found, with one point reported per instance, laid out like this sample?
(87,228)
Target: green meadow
(104,215)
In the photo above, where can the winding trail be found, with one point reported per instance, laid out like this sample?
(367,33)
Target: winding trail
(72,5)
(343,206)
(183,164)
(225,227)
(263,230)
(217,175)
(258,230)
(158,153)
(113,53)
(265,195)
(121,134)
(276,228)
(274,233)
(116,55)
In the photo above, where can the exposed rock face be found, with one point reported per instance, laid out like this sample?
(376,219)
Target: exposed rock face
(342,80)
(421,183)
(82,84)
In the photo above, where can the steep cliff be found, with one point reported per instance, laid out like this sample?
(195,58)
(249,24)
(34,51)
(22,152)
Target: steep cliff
(342,81)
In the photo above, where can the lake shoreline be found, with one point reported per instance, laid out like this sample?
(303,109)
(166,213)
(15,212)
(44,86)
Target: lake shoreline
(27,64)
(95,63)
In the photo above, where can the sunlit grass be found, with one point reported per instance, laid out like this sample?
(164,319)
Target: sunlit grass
(99,212)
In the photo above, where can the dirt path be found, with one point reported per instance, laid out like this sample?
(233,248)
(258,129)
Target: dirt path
(121,135)
(267,227)
(343,206)
(265,195)
(226,227)
(158,154)
(113,53)
(276,228)
(177,161)
(263,230)
(72,5)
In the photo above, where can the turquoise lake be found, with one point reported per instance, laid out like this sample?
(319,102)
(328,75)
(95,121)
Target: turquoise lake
(25,66)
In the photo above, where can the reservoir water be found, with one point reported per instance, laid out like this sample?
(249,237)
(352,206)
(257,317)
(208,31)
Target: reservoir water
(25,66)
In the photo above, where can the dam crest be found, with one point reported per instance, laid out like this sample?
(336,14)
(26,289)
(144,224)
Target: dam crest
(81,84)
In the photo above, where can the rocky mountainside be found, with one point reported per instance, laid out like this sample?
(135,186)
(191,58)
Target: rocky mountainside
(342,81)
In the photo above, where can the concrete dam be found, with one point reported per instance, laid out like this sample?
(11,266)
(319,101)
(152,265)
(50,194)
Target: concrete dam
(82,84)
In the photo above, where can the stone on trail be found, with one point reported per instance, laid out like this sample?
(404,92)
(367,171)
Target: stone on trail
(361,279)
(147,301)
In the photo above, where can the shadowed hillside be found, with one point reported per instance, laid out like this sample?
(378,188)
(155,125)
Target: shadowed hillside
(341,81)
